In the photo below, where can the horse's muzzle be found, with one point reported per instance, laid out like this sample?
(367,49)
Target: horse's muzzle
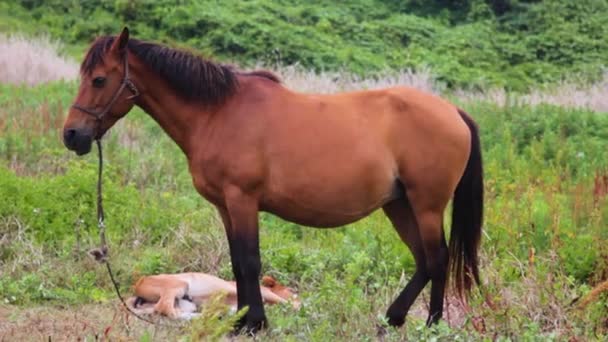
(77,141)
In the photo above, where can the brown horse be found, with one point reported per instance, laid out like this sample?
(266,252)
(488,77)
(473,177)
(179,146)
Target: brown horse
(318,160)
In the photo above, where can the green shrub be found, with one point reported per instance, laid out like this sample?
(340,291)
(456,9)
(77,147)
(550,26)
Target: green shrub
(470,44)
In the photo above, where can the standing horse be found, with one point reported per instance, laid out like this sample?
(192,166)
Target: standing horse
(318,160)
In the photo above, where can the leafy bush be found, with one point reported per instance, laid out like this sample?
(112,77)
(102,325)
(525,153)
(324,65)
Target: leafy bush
(467,43)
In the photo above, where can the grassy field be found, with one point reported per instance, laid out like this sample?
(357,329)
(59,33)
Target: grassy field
(544,242)
(543,246)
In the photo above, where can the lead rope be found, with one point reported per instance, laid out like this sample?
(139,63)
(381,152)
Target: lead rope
(101,254)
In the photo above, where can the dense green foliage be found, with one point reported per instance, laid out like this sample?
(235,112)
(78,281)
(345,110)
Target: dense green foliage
(541,164)
(467,43)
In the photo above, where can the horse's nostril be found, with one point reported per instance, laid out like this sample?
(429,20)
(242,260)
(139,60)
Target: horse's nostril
(68,135)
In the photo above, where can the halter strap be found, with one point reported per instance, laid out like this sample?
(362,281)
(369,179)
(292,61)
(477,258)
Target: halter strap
(126,83)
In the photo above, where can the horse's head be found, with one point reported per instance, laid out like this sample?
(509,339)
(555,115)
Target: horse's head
(105,95)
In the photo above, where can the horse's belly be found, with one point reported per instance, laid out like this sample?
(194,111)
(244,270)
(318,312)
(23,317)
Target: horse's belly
(314,218)
(317,209)
(332,181)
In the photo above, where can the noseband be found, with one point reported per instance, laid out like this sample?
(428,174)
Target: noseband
(126,83)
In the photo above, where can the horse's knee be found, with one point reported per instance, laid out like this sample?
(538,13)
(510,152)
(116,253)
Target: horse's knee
(251,267)
(245,267)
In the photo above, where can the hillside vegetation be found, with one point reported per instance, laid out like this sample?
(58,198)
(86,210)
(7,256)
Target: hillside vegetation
(543,250)
(466,43)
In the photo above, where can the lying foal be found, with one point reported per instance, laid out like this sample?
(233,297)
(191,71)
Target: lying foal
(181,295)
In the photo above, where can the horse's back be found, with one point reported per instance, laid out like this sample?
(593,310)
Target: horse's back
(398,127)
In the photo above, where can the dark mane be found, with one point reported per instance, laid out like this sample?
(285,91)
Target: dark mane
(191,76)
(264,74)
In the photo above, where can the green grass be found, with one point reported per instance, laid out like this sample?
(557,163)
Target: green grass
(543,246)
(476,44)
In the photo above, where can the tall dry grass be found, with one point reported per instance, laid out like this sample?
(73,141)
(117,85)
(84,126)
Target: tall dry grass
(565,94)
(33,60)
(301,79)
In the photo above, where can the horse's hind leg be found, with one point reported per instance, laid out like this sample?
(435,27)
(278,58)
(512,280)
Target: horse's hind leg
(418,220)
(402,217)
(428,207)
(436,250)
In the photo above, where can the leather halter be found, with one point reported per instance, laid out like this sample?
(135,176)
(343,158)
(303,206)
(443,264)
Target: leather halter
(126,83)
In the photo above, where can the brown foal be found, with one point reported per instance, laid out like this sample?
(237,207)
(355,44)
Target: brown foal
(318,160)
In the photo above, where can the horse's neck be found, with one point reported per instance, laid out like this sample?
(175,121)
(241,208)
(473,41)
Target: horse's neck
(177,118)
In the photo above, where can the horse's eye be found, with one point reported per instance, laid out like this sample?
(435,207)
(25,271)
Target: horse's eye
(99,82)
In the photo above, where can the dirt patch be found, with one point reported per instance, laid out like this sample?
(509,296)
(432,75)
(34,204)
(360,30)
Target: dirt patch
(79,323)
(110,322)
(455,312)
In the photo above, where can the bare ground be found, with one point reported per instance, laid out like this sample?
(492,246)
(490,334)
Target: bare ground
(109,321)
(91,322)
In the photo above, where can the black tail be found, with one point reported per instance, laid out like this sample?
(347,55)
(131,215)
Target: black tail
(467,217)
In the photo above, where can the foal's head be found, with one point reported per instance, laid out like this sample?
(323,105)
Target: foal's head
(105,95)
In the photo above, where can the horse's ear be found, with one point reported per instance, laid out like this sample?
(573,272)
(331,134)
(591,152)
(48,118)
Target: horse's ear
(120,44)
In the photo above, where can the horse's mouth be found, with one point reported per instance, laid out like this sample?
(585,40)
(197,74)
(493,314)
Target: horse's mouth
(78,142)
(83,151)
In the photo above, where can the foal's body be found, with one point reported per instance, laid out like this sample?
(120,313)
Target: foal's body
(181,295)
(318,160)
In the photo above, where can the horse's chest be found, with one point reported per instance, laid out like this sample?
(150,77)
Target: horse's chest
(212,172)
(207,188)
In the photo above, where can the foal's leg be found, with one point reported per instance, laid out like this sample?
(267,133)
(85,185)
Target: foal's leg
(243,237)
(402,217)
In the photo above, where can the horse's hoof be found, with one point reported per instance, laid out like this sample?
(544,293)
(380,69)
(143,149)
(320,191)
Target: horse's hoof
(252,327)
(396,321)
(432,320)
(249,328)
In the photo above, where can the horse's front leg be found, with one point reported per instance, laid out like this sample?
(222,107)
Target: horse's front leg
(240,217)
